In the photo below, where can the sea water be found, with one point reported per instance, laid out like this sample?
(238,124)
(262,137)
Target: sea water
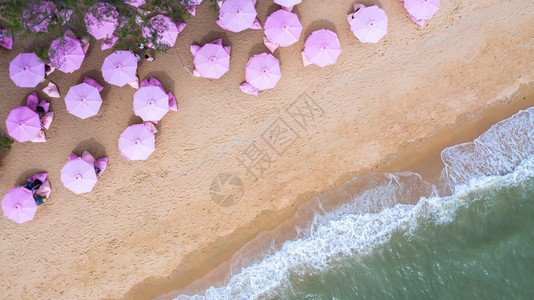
(470,236)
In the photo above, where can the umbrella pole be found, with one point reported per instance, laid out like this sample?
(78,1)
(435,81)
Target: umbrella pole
(182,62)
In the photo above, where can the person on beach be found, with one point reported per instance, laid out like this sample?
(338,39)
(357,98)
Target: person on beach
(41,111)
(149,57)
(33,185)
(84,41)
(142,46)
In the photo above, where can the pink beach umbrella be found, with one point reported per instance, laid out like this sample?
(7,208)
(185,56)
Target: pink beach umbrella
(287,4)
(6,40)
(283,28)
(162,30)
(38,15)
(26,70)
(18,205)
(238,15)
(23,124)
(66,54)
(369,24)
(78,175)
(135,3)
(321,48)
(119,67)
(104,23)
(83,100)
(263,71)
(211,60)
(151,103)
(421,9)
(137,142)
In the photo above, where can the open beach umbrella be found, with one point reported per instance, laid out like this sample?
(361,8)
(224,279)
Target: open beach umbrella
(18,205)
(421,9)
(66,54)
(369,24)
(150,103)
(211,60)
(287,4)
(78,175)
(38,15)
(7,39)
(135,3)
(163,29)
(23,124)
(119,67)
(26,70)
(321,48)
(101,20)
(263,71)
(283,27)
(237,15)
(137,142)
(83,100)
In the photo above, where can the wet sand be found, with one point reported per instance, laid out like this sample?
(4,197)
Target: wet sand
(146,222)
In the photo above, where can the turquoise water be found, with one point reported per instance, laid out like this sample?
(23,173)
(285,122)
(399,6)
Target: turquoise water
(484,251)
(471,236)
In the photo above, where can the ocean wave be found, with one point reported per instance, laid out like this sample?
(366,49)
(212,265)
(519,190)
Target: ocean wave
(372,208)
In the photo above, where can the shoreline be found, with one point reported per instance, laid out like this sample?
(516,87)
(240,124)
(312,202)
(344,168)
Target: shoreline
(421,156)
(382,107)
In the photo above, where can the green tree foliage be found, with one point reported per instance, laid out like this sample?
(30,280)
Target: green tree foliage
(20,16)
(5,142)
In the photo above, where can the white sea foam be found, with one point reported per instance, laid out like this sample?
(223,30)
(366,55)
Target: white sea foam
(496,152)
(502,156)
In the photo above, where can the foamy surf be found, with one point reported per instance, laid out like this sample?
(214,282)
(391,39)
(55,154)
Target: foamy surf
(501,157)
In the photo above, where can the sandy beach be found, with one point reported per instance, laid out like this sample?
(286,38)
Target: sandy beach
(154,226)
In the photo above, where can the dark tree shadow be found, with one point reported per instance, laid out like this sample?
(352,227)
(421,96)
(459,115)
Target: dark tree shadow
(21,180)
(166,80)
(211,36)
(3,154)
(274,7)
(134,120)
(319,24)
(257,49)
(95,148)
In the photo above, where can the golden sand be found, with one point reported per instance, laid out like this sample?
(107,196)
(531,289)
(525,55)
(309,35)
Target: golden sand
(145,221)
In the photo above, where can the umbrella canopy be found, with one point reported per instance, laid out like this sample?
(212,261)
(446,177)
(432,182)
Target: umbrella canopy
(263,71)
(26,70)
(18,205)
(137,142)
(23,124)
(78,175)
(66,54)
(83,100)
(101,20)
(237,15)
(369,24)
(322,48)
(283,27)
(421,9)
(212,60)
(151,103)
(135,3)
(119,67)
(163,29)
(38,15)
(287,3)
